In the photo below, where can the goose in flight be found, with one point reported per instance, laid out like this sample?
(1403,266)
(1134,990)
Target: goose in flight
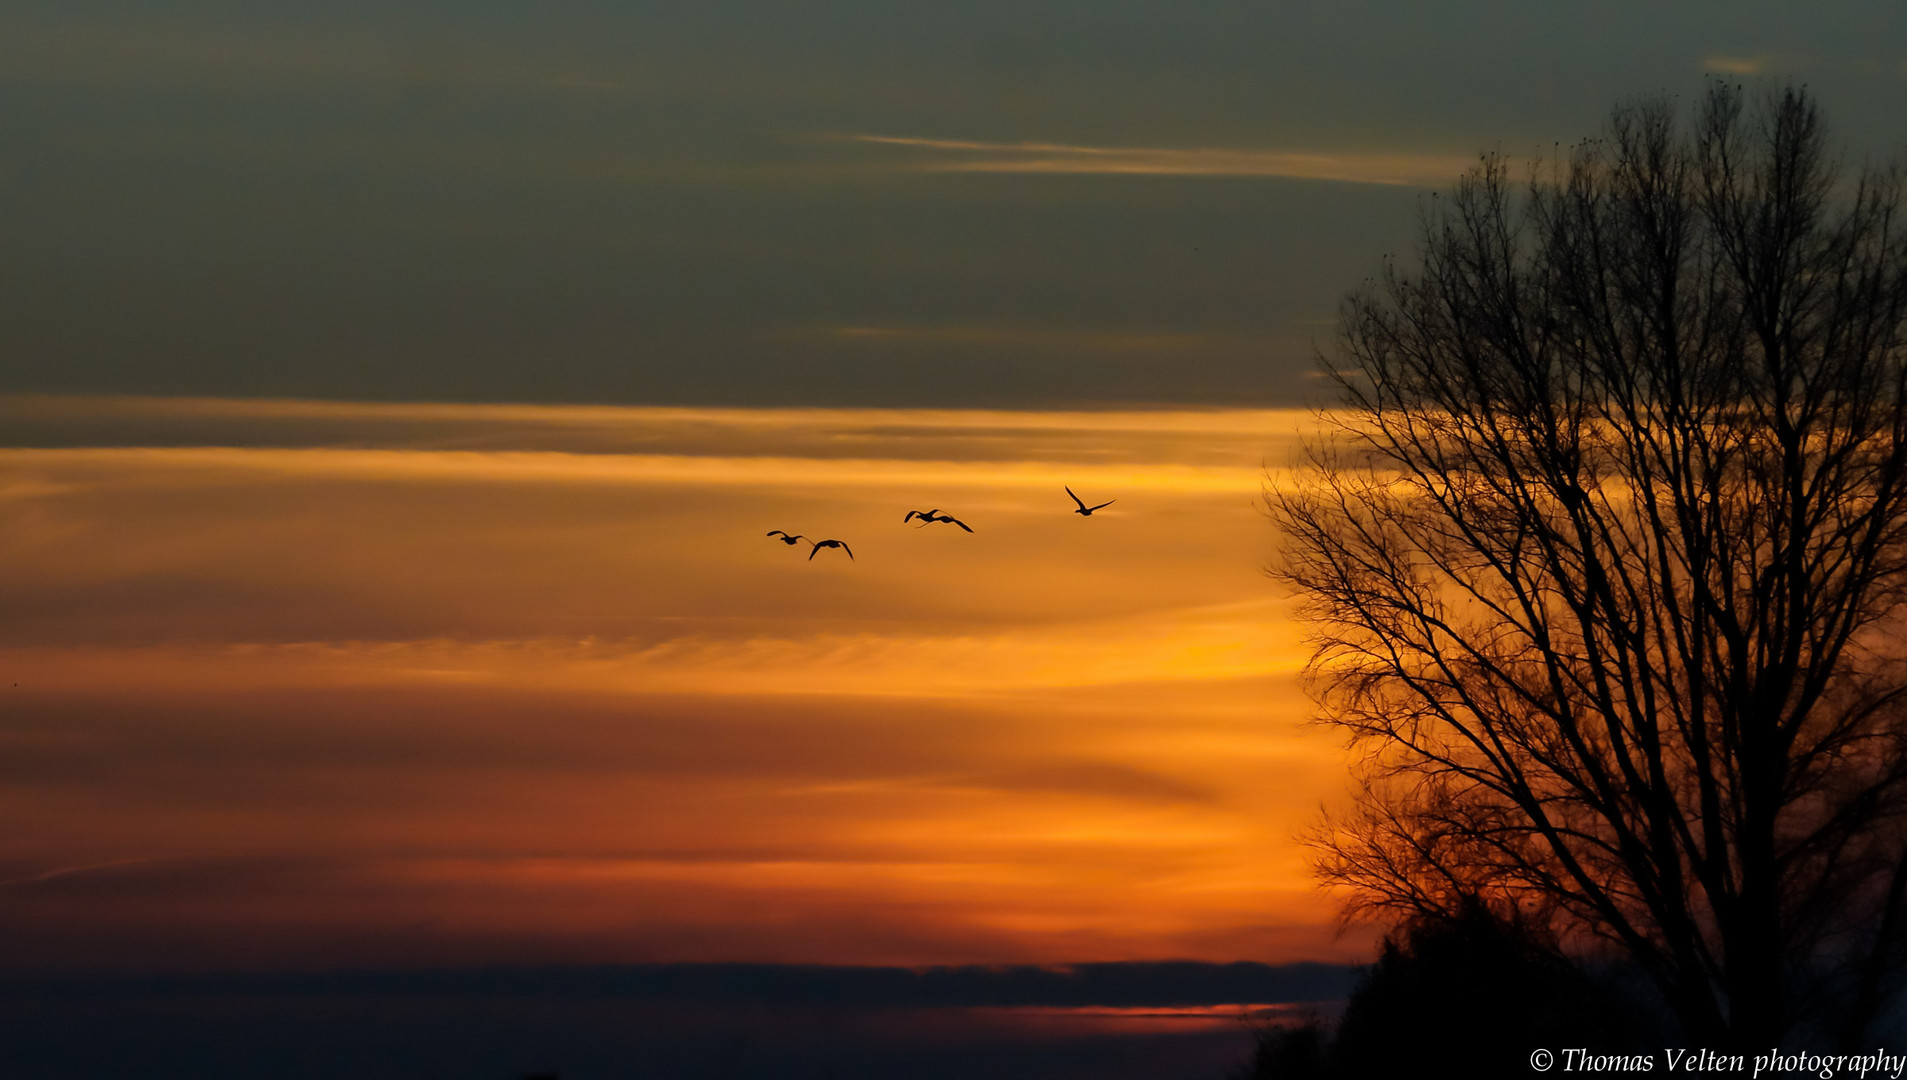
(819,544)
(1085,510)
(786,538)
(928,517)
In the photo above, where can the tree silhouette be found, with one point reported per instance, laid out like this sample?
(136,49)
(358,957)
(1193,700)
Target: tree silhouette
(1604,556)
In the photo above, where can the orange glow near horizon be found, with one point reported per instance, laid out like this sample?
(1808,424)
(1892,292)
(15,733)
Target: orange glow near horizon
(324,684)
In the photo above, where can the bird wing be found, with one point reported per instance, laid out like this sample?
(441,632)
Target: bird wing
(1077,499)
(813,553)
(776,532)
(956,521)
(846,548)
(911,515)
(1103,505)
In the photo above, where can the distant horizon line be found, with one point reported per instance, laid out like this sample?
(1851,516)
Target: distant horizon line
(1111,984)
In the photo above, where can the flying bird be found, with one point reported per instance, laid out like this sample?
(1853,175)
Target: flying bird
(819,544)
(928,517)
(1088,510)
(786,538)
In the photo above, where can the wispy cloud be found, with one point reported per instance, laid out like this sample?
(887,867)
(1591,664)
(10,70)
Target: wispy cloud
(1759,64)
(17,407)
(960,155)
(504,434)
(67,871)
(539,468)
(1041,338)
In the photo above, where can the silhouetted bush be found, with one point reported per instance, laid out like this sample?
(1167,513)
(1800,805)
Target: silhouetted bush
(1474,993)
(1288,1052)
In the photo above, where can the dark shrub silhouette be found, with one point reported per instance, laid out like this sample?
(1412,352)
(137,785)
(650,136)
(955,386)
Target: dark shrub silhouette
(1288,1052)
(1468,995)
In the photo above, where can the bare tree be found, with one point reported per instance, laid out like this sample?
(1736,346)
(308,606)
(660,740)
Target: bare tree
(1605,554)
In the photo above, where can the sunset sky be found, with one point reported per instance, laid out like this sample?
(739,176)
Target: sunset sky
(394,398)
(434,682)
